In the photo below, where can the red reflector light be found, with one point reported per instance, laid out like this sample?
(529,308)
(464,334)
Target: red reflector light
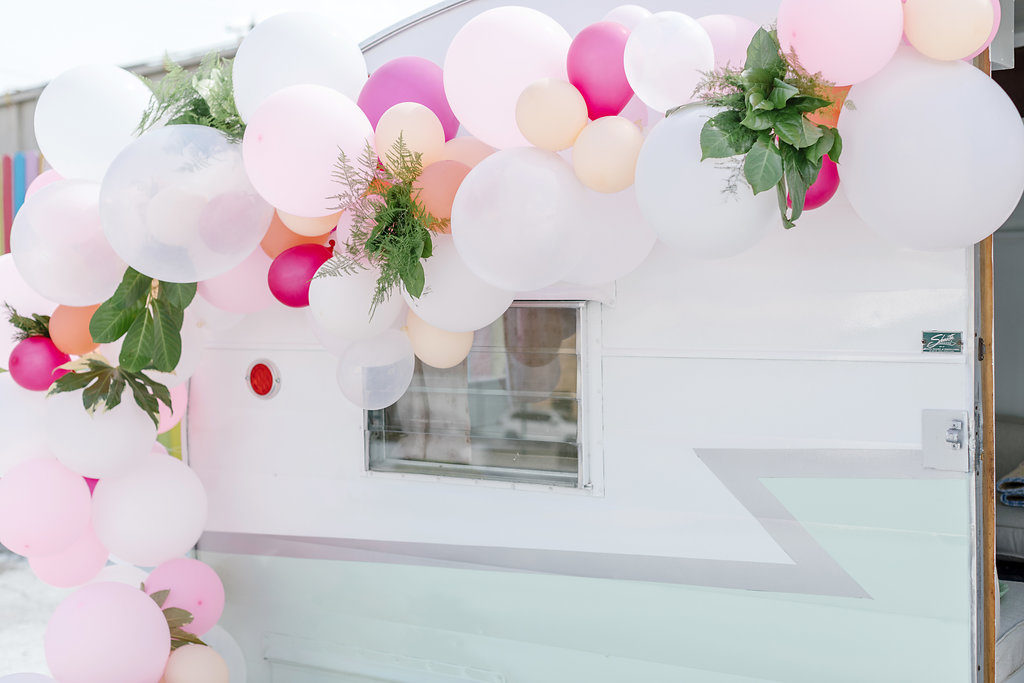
(263,379)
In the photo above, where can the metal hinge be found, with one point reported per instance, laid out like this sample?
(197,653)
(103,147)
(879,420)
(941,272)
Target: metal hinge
(981,349)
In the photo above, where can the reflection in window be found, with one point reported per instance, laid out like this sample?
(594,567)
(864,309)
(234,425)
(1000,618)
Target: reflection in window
(509,412)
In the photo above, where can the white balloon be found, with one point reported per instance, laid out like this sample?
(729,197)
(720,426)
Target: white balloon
(16,292)
(211,319)
(105,444)
(59,246)
(153,513)
(455,299)
(686,200)
(21,424)
(512,220)
(296,48)
(178,206)
(374,373)
(334,343)
(222,641)
(86,115)
(341,305)
(122,573)
(627,15)
(618,238)
(665,55)
(943,180)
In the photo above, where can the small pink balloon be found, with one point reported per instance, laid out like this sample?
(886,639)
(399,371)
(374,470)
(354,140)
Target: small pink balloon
(179,400)
(194,586)
(41,181)
(595,67)
(34,361)
(996,18)
(822,189)
(730,35)
(243,289)
(44,507)
(79,563)
(408,79)
(292,271)
(106,632)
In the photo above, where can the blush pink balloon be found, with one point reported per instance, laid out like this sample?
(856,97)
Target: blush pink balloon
(41,181)
(996,18)
(243,289)
(408,79)
(106,632)
(44,507)
(730,35)
(595,67)
(34,361)
(194,586)
(79,563)
(293,269)
(822,189)
(170,419)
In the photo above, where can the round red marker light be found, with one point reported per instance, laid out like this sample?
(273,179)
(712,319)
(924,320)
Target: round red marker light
(264,380)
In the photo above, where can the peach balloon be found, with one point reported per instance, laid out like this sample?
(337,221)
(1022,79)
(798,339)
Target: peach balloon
(279,238)
(551,113)
(605,154)
(196,664)
(467,150)
(948,29)
(829,116)
(436,347)
(69,329)
(309,227)
(419,128)
(437,186)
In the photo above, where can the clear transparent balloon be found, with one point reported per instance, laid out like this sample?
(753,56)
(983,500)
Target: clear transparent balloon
(341,305)
(375,373)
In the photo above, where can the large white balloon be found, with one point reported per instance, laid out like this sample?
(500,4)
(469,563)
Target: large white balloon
(178,206)
(618,238)
(665,56)
(941,180)
(455,299)
(104,444)
(16,292)
(374,373)
(513,221)
(341,305)
(296,48)
(59,247)
(152,514)
(492,59)
(222,641)
(86,115)
(702,207)
(21,424)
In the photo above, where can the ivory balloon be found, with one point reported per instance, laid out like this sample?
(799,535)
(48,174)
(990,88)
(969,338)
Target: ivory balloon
(730,35)
(605,153)
(512,219)
(44,507)
(665,57)
(948,29)
(419,128)
(221,641)
(617,241)
(685,200)
(196,664)
(438,185)
(59,245)
(550,114)
(341,305)
(334,343)
(908,182)
(16,292)
(69,329)
(436,347)
(295,48)
(374,373)
(309,227)
(628,15)
(467,150)
(21,423)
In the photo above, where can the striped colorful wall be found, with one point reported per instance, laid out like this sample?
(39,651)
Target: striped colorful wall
(17,172)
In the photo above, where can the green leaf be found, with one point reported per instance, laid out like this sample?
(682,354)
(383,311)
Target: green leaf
(166,343)
(34,326)
(837,147)
(110,322)
(134,289)
(782,92)
(137,349)
(72,381)
(143,397)
(428,245)
(782,195)
(177,617)
(763,54)
(763,165)
(178,294)
(725,136)
(757,121)
(793,128)
(823,145)
(808,103)
(413,279)
(160,597)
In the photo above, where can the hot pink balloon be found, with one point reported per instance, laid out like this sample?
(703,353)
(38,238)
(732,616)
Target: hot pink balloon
(595,67)
(996,18)
(79,563)
(91,483)
(194,587)
(44,507)
(34,361)
(41,181)
(408,79)
(243,289)
(106,632)
(730,35)
(847,42)
(822,189)
(292,271)
(179,399)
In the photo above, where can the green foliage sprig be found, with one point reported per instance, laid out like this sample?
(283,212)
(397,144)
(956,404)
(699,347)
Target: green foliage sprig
(765,118)
(34,326)
(177,618)
(102,386)
(391,231)
(204,97)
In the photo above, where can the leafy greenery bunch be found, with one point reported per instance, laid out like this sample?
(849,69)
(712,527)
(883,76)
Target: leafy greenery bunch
(204,97)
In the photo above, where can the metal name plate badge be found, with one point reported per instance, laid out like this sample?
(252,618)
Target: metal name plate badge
(942,342)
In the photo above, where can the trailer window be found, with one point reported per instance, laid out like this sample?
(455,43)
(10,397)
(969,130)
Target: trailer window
(509,412)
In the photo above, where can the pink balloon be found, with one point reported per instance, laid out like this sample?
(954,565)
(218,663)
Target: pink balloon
(595,68)
(34,361)
(194,587)
(78,563)
(44,507)
(408,79)
(730,35)
(824,187)
(291,146)
(292,271)
(91,483)
(179,400)
(997,17)
(243,289)
(41,181)
(106,632)
(848,42)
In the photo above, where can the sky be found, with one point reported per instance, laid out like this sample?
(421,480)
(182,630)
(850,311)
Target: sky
(41,38)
